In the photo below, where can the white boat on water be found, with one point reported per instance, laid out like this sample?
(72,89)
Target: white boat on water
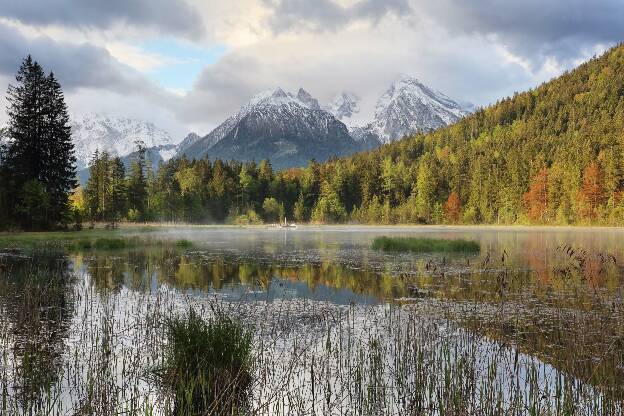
(285,224)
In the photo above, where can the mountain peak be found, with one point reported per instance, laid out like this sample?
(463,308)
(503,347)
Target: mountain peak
(406,79)
(114,134)
(307,99)
(344,106)
(285,128)
(279,93)
(409,107)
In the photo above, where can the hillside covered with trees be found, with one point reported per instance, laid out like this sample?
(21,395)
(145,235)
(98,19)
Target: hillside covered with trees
(552,155)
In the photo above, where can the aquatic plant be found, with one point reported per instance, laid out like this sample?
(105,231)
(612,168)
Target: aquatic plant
(423,245)
(207,364)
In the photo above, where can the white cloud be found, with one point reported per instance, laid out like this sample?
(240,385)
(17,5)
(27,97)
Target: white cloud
(137,58)
(478,51)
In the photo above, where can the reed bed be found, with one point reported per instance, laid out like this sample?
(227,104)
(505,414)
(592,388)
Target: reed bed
(306,357)
(425,245)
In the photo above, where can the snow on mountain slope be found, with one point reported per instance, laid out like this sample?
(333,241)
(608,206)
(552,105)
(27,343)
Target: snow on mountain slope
(346,107)
(285,128)
(116,135)
(408,107)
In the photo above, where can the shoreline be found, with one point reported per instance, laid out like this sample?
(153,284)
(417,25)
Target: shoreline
(154,227)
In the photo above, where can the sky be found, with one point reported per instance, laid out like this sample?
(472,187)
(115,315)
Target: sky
(186,65)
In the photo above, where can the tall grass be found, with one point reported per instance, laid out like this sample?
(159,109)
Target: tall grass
(424,245)
(208,365)
(123,243)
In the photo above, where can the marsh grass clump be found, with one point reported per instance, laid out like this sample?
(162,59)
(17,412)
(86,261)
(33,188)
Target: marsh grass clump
(183,243)
(124,243)
(207,365)
(425,245)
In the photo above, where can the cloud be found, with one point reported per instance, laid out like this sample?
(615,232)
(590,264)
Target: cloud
(171,16)
(76,65)
(92,78)
(476,51)
(535,30)
(360,60)
(329,15)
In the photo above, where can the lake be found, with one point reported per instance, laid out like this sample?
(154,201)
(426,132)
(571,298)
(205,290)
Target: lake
(532,324)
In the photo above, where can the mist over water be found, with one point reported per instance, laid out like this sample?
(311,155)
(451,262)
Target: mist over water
(536,310)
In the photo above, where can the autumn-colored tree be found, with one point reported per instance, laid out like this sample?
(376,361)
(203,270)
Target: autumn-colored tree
(452,208)
(592,193)
(536,199)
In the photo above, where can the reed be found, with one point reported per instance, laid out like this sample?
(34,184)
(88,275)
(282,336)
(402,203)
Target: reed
(208,365)
(424,245)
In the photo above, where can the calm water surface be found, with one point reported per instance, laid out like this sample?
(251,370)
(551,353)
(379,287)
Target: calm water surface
(554,295)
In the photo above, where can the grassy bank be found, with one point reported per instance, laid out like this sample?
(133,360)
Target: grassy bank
(425,245)
(87,240)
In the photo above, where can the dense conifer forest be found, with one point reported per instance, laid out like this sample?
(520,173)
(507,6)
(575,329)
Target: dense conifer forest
(551,155)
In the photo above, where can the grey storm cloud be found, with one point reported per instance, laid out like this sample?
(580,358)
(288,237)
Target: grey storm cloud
(324,15)
(75,65)
(533,29)
(171,16)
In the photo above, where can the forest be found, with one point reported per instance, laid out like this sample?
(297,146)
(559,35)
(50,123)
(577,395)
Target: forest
(551,155)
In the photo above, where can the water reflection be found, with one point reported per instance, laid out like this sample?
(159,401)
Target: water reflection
(237,278)
(556,294)
(36,303)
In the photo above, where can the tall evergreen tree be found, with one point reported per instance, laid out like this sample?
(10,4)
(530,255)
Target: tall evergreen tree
(40,154)
(117,191)
(137,184)
(60,164)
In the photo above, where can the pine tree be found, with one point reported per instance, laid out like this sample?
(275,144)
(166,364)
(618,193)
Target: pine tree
(60,169)
(117,191)
(41,149)
(137,184)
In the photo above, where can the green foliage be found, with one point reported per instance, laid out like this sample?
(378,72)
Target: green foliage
(273,210)
(106,191)
(183,243)
(329,209)
(137,183)
(425,245)
(250,217)
(34,205)
(38,161)
(207,365)
(552,155)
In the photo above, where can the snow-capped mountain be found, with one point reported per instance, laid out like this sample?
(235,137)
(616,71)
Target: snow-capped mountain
(409,107)
(188,141)
(118,136)
(287,129)
(345,107)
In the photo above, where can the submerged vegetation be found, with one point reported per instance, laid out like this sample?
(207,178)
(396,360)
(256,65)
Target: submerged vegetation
(424,245)
(124,243)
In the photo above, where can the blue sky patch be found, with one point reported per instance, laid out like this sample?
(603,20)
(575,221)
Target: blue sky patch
(187,61)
